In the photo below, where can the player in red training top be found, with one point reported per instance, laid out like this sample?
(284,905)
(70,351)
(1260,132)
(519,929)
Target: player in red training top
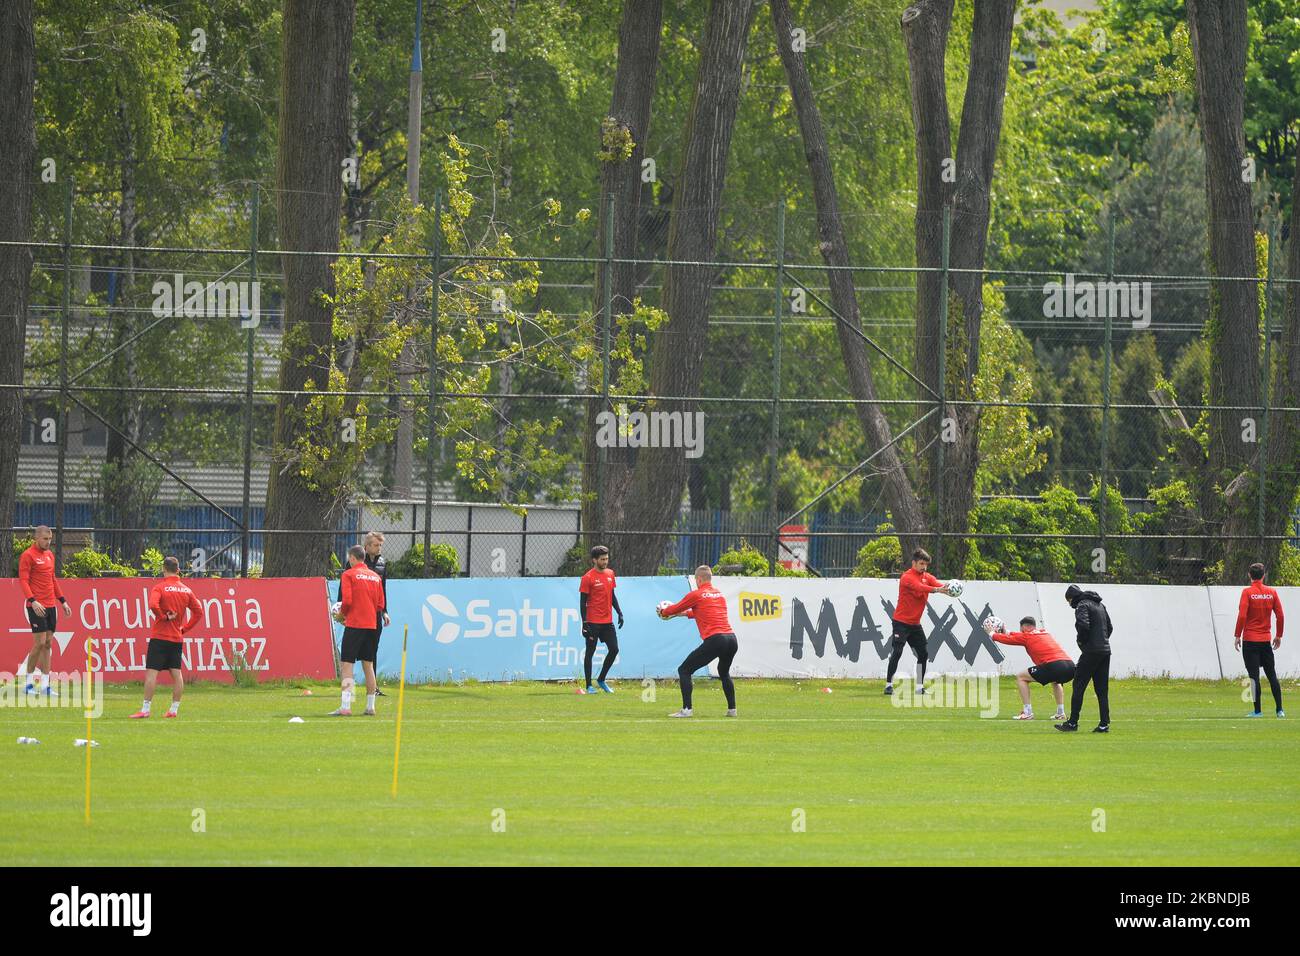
(595,598)
(1051,664)
(1259,604)
(169,599)
(914,589)
(41,590)
(708,607)
(361,600)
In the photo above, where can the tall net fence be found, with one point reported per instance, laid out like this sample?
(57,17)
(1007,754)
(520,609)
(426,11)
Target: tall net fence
(718,412)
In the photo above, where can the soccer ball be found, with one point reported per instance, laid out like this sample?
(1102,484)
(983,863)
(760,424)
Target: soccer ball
(955,588)
(662,606)
(993,623)
(336,611)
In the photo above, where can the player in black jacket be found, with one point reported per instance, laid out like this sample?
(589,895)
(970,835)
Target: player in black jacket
(1092,629)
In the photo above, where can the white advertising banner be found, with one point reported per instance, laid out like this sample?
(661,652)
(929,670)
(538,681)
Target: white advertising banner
(1160,630)
(840,627)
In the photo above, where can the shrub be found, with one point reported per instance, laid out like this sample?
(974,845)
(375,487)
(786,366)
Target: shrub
(752,562)
(90,563)
(446,562)
(882,557)
(575,563)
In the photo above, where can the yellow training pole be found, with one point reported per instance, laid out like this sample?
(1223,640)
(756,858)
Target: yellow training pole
(401,700)
(88,698)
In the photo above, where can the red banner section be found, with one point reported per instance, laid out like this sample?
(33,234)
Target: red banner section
(279,627)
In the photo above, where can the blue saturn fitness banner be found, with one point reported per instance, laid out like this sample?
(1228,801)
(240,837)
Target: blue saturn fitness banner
(524,628)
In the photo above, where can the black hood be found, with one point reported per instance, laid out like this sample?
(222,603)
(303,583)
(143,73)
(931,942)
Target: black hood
(1074,594)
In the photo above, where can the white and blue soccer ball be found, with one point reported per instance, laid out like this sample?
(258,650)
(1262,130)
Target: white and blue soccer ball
(662,606)
(955,587)
(993,624)
(336,611)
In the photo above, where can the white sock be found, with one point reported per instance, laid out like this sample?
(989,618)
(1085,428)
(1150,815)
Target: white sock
(45,681)
(370,701)
(175,708)
(1028,709)
(144,708)
(347,700)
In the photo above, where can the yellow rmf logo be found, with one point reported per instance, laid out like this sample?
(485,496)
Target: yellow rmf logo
(759,607)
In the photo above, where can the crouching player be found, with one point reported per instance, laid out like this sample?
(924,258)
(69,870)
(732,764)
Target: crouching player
(169,600)
(1051,664)
(708,606)
(361,600)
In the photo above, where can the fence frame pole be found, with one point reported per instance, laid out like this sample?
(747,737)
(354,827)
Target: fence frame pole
(774,444)
(64,318)
(435,287)
(1105,394)
(245,537)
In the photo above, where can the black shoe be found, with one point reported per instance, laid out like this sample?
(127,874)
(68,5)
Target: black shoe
(889,690)
(379,693)
(1067,727)
(1101,729)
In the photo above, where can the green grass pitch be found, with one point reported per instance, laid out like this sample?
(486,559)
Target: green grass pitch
(533,773)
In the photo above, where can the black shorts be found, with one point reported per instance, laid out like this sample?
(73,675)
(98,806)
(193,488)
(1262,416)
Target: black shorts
(43,622)
(602,632)
(1053,672)
(913,635)
(163,655)
(359,644)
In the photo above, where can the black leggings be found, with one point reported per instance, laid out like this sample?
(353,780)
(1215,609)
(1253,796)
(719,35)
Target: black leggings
(1095,668)
(719,647)
(1260,654)
(611,652)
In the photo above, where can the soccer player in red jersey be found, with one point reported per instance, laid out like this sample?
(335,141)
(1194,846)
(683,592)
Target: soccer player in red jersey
(595,599)
(42,591)
(914,589)
(708,607)
(169,600)
(1259,605)
(1051,664)
(361,594)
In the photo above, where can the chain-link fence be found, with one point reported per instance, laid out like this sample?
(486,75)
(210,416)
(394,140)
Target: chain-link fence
(719,411)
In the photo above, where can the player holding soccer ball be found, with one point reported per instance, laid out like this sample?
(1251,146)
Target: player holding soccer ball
(361,601)
(914,589)
(708,607)
(595,598)
(1259,605)
(1051,664)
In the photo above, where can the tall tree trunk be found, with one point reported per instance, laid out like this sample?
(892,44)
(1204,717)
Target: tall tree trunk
(620,181)
(904,506)
(1218,34)
(1282,453)
(124,499)
(17,79)
(677,363)
(925,29)
(313,140)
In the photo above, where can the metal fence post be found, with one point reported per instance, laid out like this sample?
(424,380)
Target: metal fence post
(774,445)
(943,378)
(245,539)
(1105,394)
(63,376)
(434,289)
(606,320)
(1266,384)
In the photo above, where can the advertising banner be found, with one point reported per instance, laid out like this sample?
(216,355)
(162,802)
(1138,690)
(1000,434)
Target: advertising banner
(278,627)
